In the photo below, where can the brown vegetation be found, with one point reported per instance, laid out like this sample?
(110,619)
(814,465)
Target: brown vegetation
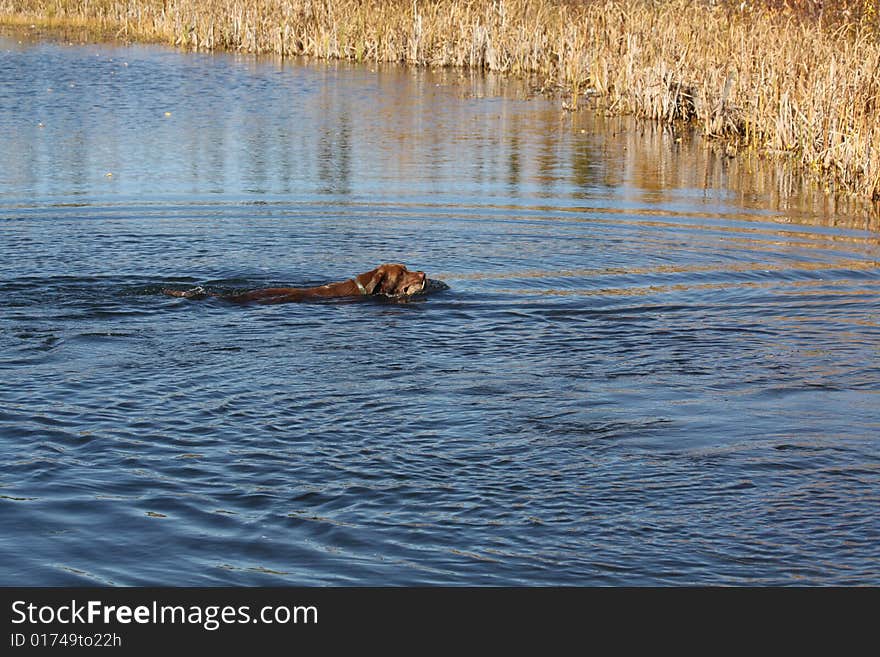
(798,78)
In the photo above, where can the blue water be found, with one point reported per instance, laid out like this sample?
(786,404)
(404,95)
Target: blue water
(650,367)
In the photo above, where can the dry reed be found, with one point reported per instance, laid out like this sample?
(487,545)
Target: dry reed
(788,77)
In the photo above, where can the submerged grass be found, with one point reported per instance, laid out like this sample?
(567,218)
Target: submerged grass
(797,78)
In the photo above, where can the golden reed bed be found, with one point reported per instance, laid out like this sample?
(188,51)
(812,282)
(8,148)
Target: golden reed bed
(799,78)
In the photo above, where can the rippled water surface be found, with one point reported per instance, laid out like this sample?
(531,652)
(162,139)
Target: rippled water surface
(648,369)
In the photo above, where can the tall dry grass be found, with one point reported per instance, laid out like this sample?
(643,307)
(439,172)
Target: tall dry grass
(799,78)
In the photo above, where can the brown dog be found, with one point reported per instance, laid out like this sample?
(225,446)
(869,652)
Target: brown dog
(390,280)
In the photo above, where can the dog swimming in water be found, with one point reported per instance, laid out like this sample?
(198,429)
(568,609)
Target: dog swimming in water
(389,279)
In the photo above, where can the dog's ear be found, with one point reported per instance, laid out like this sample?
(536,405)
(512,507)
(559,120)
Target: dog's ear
(374,279)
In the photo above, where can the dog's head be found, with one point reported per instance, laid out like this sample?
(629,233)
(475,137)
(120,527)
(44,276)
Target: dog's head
(392,280)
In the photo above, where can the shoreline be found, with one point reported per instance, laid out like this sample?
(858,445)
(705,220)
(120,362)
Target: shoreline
(768,79)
